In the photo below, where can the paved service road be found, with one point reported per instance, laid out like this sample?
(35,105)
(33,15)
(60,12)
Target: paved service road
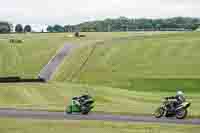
(14,113)
(47,72)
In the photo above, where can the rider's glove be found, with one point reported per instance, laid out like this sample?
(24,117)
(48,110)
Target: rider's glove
(166,98)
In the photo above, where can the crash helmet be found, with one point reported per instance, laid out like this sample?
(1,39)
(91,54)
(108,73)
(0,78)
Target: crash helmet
(179,93)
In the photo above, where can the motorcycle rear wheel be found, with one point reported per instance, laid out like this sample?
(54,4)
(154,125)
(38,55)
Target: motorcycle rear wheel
(159,112)
(69,110)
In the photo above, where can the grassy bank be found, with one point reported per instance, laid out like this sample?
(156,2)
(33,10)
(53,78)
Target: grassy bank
(137,68)
(161,61)
(28,58)
(32,126)
(54,96)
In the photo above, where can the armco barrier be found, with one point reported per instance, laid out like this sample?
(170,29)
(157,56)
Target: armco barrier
(18,80)
(9,79)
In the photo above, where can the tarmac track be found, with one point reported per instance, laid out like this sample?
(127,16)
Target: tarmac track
(45,115)
(48,70)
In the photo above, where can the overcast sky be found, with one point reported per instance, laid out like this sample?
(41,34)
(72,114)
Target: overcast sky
(76,11)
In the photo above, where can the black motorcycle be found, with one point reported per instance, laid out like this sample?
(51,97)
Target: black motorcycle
(179,111)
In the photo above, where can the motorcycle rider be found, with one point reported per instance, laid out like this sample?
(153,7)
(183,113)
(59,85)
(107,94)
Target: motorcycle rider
(177,100)
(78,99)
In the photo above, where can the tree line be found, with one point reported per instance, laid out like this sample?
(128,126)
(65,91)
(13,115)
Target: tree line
(116,25)
(126,24)
(6,27)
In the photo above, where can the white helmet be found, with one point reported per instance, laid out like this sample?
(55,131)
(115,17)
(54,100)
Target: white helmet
(179,93)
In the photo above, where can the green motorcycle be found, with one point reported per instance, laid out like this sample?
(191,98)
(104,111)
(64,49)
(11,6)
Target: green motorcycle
(82,104)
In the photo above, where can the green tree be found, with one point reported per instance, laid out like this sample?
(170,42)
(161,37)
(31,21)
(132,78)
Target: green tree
(19,28)
(5,27)
(194,27)
(58,28)
(126,24)
(67,28)
(27,28)
(50,29)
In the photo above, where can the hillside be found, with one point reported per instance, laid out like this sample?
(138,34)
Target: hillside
(27,59)
(137,68)
(138,62)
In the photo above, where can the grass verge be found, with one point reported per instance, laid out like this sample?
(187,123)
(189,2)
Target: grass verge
(55,96)
(32,126)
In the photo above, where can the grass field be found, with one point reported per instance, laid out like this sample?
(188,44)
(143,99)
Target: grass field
(134,61)
(137,68)
(28,58)
(55,96)
(32,126)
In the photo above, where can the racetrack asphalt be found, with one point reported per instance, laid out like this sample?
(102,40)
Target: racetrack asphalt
(49,69)
(30,114)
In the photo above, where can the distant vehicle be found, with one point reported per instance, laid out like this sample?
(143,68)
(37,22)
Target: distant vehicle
(76,34)
(16,41)
(180,111)
(82,104)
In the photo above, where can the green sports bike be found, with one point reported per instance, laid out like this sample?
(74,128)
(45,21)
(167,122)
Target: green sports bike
(82,104)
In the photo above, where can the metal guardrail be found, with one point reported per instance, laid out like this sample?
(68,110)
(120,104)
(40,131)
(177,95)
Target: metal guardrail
(18,79)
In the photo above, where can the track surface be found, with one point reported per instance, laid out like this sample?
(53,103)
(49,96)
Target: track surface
(47,72)
(14,113)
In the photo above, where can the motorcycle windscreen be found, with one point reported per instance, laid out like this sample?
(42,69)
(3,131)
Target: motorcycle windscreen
(185,104)
(89,101)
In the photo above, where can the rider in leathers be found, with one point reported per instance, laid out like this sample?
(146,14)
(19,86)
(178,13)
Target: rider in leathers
(178,99)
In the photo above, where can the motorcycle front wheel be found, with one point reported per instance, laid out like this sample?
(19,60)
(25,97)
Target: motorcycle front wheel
(159,112)
(84,110)
(181,113)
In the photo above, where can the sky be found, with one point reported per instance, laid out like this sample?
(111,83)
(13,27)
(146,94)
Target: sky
(77,11)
